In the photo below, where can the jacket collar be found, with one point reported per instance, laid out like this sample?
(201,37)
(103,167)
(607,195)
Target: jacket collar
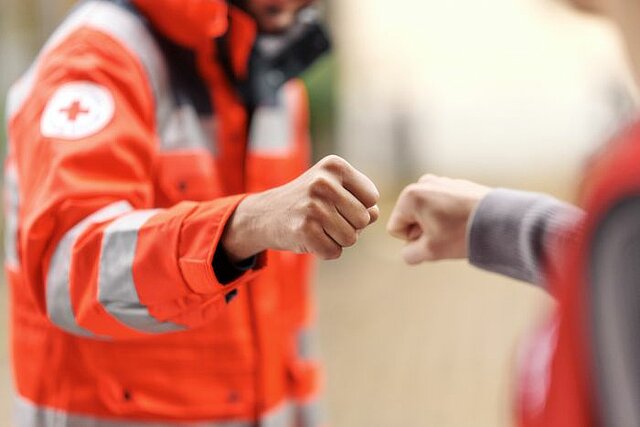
(189,23)
(251,66)
(195,24)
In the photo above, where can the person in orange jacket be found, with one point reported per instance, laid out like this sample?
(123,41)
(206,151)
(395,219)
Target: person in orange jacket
(161,215)
(580,367)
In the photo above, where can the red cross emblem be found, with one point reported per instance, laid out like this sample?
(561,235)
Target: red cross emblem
(77,110)
(74,110)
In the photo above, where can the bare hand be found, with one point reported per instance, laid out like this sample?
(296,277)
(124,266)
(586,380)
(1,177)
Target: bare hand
(432,216)
(320,212)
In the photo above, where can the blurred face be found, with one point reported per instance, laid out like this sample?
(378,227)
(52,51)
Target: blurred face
(626,15)
(592,6)
(275,16)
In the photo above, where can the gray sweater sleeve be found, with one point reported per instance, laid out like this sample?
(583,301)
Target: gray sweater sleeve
(514,232)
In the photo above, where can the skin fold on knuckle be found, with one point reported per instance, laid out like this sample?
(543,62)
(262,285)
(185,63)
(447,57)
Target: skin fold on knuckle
(372,194)
(308,231)
(321,187)
(414,195)
(428,178)
(327,250)
(334,164)
(361,219)
(374,214)
(396,226)
(313,211)
(349,238)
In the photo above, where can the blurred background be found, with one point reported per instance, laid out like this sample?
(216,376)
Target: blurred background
(506,92)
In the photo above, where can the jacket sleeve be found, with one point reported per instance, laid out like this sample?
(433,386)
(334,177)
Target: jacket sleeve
(516,233)
(97,257)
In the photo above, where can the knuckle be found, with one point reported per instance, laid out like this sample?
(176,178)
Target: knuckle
(374,214)
(413,192)
(334,163)
(375,194)
(428,178)
(321,253)
(350,238)
(308,227)
(333,252)
(361,220)
(325,249)
(391,226)
(312,210)
(320,186)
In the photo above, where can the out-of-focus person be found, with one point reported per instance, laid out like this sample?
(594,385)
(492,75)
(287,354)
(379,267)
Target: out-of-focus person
(160,217)
(580,368)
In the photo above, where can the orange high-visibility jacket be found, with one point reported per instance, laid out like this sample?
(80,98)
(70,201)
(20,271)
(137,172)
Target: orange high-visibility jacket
(129,149)
(557,386)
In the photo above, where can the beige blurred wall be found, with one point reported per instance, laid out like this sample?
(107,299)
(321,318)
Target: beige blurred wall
(24,24)
(506,91)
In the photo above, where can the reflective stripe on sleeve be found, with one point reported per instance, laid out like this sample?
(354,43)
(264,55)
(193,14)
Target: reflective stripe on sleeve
(272,130)
(58,291)
(306,343)
(130,31)
(12,206)
(28,414)
(310,414)
(116,286)
(186,131)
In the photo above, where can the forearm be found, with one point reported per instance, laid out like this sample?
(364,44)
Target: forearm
(515,233)
(245,235)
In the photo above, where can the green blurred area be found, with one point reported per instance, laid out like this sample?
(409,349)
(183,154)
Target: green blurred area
(320,81)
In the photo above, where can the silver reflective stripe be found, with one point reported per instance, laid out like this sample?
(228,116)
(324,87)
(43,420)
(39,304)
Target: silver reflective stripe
(12,206)
(281,416)
(116,287)
(271,130)
(185,130)
(310,414)
(125,27)
(307,343)
(59,308)
(18,93)
(28,414)
(129,30)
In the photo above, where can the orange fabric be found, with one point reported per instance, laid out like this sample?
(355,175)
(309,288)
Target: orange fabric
(114,165)
(233,360)
(189,23)
(569,400)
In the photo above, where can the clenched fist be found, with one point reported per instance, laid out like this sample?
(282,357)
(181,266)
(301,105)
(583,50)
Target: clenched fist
(432,216)
(320,212)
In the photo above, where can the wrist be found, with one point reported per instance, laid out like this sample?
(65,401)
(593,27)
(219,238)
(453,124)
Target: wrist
(243,236)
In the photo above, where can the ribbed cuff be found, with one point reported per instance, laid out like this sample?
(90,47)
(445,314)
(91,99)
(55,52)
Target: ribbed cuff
(507,233)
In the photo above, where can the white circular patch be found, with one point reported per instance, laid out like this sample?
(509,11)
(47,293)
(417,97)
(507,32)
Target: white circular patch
(77,110)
